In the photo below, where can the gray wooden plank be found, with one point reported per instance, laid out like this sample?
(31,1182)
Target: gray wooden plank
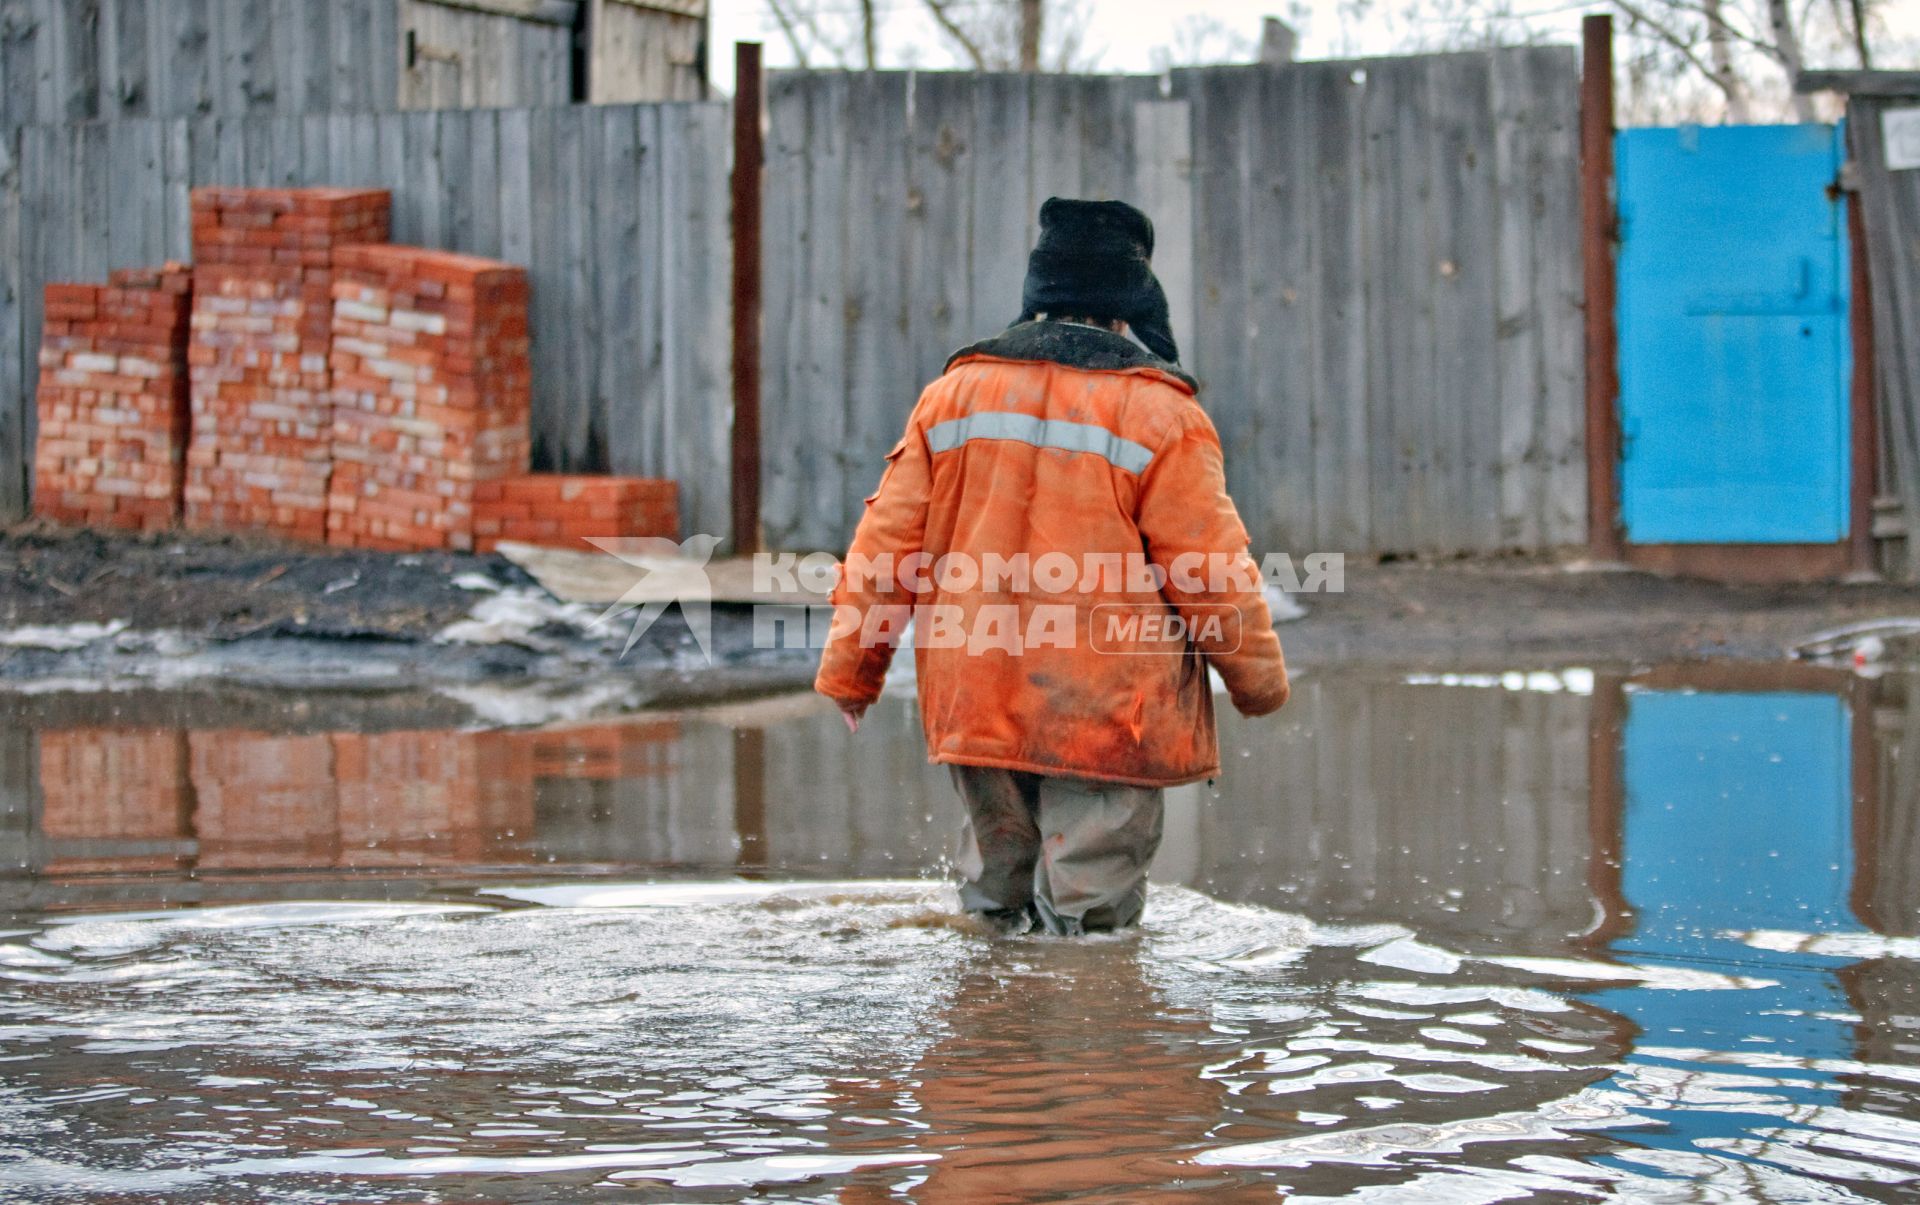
(820,386)
(245,30)
(425,179)
(454,138)
(516,186)
(1221,99)
(46,159)
(1465,240)
(698,435)
(574,426)
(20,99)
(177,170)
(939,241)
(880,382)
(16,391)
(89,256)
(320,24)
(286,143)
(709,281)
(287,36)
(636,439)
(1056,108)
(1518,341)
(396,173)
(1002,181)
(1392,302)
(552,288)
(783,255)
(1560,292)
(187,57)
(384,48)
(484,184)
(124,59)
(316,150)
(74,33)
(614,156)
(1163,188)
(1280,133)
(1339,349)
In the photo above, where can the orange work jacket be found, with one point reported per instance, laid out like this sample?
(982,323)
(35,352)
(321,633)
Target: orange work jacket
(1052,454)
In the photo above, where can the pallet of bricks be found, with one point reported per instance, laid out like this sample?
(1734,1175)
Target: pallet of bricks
(433,391)
(261,451)
(112,401)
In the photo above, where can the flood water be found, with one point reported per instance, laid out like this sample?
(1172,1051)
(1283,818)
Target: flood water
(1460,938)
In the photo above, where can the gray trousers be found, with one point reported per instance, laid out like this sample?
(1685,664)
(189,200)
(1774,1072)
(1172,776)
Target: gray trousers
(1066,852)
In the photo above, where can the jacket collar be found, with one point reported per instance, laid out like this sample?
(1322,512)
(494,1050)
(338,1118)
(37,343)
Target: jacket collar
(1073,345)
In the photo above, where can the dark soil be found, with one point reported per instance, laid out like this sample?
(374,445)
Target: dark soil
(1534,612)
(228,587)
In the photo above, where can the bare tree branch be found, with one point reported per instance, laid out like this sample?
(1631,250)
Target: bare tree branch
(1660,30)
(1788,41)
(785,20)
(952,29)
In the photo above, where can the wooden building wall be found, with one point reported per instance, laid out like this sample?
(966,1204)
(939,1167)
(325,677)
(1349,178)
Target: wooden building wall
(76,60)
(1891,208)
(647,50)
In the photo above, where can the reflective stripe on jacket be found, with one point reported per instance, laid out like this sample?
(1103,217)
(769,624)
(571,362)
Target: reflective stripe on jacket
(1004,457)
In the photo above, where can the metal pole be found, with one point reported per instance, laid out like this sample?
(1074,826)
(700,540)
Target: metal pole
(1865,415)
(1598,229)
(749,155)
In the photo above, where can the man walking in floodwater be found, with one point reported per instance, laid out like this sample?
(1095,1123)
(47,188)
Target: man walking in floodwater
(1057,525)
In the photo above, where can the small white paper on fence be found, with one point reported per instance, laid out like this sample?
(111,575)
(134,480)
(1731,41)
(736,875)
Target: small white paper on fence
(1900,132)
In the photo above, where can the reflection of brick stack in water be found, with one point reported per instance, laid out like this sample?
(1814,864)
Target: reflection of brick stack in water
(112,400)
(265,801)
(430,798)
(433,388)
(262,318)
(122,791)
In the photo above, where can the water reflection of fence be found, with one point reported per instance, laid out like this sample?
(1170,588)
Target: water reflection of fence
(1473,812)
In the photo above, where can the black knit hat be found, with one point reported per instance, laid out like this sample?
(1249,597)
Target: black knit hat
(1092,262)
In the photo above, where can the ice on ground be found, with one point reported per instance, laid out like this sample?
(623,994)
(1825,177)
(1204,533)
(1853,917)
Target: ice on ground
(60,638)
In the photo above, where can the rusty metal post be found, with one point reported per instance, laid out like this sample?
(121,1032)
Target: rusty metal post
(1865,414)
(1598,227)
(749,159)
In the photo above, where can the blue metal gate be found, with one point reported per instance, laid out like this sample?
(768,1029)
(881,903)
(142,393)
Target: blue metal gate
(1733,335)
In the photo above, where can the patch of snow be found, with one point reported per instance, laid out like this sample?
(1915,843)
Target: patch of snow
(61,638)
(1406,954)
(511,615)
(525,706)
(1283,607)
(476,581)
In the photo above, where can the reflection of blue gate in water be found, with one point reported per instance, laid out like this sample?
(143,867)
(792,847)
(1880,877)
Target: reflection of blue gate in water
(1738,817)
(1733,336)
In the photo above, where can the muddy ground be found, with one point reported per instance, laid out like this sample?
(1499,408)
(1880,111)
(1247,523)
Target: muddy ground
(235,613)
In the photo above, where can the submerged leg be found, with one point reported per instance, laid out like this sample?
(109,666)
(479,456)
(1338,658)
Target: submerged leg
(1097,841)
(999,843)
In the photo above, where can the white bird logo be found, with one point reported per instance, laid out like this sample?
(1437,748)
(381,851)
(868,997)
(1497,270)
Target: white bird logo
(670,572)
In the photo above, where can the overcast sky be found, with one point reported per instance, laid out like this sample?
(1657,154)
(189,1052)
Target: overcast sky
(1125,33)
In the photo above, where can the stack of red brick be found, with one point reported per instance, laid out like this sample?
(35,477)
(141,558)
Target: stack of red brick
(319,384)
(112,402)
(566,510)
(262,446)
(433,390)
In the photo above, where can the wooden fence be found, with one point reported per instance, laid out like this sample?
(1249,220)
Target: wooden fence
(619,212)
(1373,268)
(1891,209)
